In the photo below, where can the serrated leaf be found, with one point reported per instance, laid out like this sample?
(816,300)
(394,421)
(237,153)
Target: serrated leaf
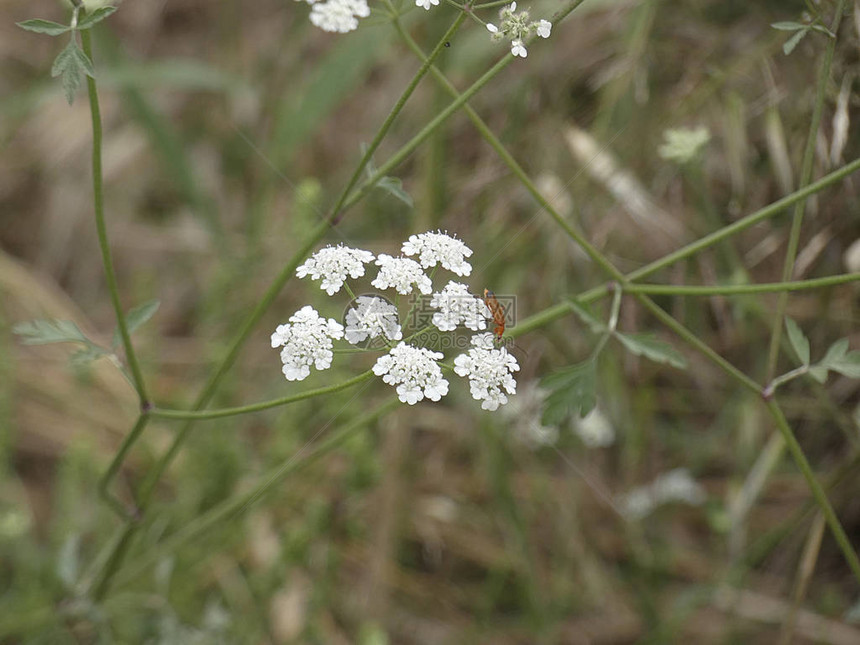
(788,25)
(848,365)
(792,42)
(95,17)
(85,63)
(799,342)
(64,59)
(48,27)
(651,347)
(135,318)
(585,314)
(394,186)
(835,352)
(571,390)
(43,332)
(87,355)
(818,372)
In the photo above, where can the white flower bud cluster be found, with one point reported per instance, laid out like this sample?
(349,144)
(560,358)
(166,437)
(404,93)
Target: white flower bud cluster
(415,372)
(338,16)
(517,27)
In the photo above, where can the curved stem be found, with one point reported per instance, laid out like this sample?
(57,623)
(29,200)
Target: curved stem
(263,405)
(805,176)
(101,227)
(110,473)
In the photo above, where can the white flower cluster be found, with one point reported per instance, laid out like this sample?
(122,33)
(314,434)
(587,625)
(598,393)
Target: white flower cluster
(675,486)
(517,27)
(459,307)
(371,318)
(338,16)
(306,342)
(414,371)
(490,371)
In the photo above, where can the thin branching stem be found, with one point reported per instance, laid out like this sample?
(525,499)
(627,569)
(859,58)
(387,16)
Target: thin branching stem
(101,228)
(805,177)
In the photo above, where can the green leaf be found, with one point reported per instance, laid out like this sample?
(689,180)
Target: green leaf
(87,355)
(43,332)
(85,63)
(572,389)
(587,316)
(135,318)
(394,186)
(823,30)
(788,26)
(818,372)
(799,342)
(835,352)
(792,42)
(848,365)
(649,346)
(69,65)
(48,27)
(96,16)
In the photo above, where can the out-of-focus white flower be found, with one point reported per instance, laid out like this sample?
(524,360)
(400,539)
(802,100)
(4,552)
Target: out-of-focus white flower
(459,307)
(518,49)
(594,429)
(524,413)
(490,371)
(400,274)
(683,145)
(414,371)
(306,341)
(544,28)
(675,486)
(492,28)
(372,317)
(434,248)
(334,263)
(426,4)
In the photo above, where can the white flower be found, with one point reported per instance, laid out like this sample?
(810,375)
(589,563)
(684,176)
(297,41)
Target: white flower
(675,486)
(372,317)
(594,429)
(513,7)
(490,371)
(524,414)
(544,27)
(338,16)
(306,342)
(426,3)
(414,372)
(459,307)
(400,274)
(519,49)
(435,248)
(334,263)
(492,28)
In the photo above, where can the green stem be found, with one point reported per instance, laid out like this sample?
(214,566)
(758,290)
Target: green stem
(398,107)
(224,511)
(119,457)
(263,405)
(805,177)
(817,491)
(101,227)
(740,289)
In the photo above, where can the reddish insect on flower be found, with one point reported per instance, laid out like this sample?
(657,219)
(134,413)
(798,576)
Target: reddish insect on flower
(497,312)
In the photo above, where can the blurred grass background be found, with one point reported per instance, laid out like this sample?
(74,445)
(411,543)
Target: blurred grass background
(229,127)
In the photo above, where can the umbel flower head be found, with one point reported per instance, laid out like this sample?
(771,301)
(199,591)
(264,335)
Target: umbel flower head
(370,318)
(490,371)
(306,341)
(517,27)
(414,372)
(333,264)
(401,274)
(459,307)
(434,248)
(338,16)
